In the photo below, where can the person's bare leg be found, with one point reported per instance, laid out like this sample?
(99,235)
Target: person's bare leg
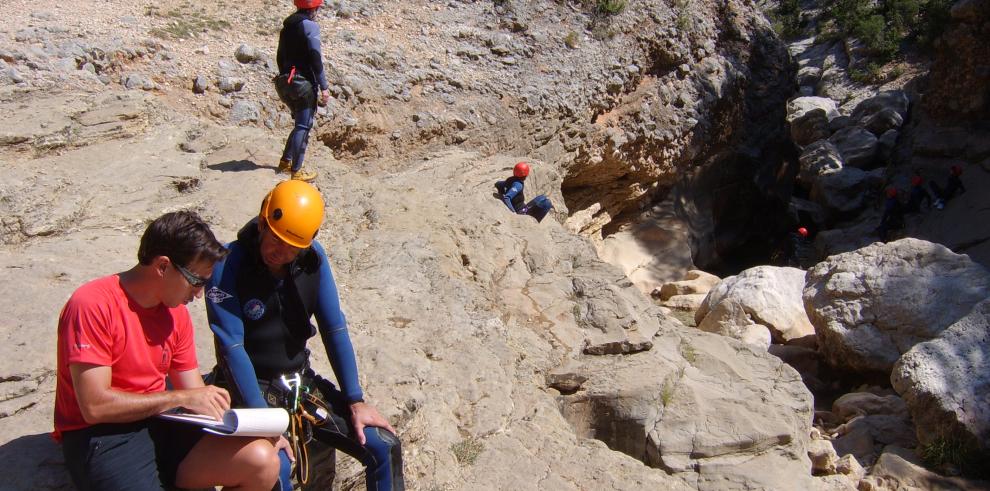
(235,463)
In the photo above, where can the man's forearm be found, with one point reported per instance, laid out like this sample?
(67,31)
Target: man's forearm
(116,406)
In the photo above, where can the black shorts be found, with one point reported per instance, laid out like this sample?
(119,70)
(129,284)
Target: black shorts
(144,455)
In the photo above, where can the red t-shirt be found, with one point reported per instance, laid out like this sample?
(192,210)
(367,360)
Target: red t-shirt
(102,325)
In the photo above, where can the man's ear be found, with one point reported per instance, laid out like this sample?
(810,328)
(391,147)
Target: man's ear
(159,264)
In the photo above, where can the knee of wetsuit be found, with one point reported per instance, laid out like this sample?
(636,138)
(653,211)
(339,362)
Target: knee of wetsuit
(381,443)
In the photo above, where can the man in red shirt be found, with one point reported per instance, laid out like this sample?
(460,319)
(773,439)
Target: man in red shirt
(118,338)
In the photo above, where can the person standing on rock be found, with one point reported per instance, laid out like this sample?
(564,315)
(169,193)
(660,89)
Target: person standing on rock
(300,68)
(953,186)
(510,192)
(118,338)
(259,303)
(917,196)
(893,215)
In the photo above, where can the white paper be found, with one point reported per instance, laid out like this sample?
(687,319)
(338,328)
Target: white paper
(264,422)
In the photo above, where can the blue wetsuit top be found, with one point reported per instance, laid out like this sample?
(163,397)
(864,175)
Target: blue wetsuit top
(299,46)
(261,323)
(513,195)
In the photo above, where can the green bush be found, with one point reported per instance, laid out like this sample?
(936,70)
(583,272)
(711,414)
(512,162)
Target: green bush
(786,19)
(884,26)
(611,7)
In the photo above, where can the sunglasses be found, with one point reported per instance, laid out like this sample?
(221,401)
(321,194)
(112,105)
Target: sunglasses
(194,281)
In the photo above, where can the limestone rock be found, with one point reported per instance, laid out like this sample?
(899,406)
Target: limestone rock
(688,302)
(866,403)
(823,457)
(664,412)
(871,305)
(246,54)
(799,106)
(820,158)
(900,469)
(844,190)
(857,145)
(695,281)
(810,127)
(946,381)
(766,295)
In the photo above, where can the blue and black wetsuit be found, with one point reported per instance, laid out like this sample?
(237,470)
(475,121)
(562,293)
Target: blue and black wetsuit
(511,190)
(299,48)
(261,325)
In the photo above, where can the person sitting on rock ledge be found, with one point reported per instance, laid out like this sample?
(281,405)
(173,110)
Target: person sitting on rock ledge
(118,338)
(510,191)
(259,303)
(952,186)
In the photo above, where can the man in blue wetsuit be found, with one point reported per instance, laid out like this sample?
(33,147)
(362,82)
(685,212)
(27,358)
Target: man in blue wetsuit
(511,192)
(299,55)
(259,302)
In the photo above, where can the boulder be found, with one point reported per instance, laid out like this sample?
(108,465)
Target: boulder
(883,121)
(866,403)
(810,127)
(823,457)
(946,381)
(871,305)
(689,302)
(857,145)
(890,103)
(690,408)
(884,429)
(819,158)
(764,295)
(695,281)
(799,106)
(844,190)
(900,469)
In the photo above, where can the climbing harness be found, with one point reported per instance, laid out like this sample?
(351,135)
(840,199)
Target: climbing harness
(303,408)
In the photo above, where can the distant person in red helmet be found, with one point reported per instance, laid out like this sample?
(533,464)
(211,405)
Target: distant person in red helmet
(917,196)
(510,191)
(953,186)
(801,254)
(300,68)
(893,215)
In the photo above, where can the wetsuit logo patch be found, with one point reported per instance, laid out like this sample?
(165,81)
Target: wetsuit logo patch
(254,309)
(216,295)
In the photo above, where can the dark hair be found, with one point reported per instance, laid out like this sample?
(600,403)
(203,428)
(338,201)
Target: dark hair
(182,236)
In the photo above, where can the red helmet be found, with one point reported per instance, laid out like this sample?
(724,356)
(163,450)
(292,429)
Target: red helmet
(956,170)
(803,232)
(521,169)
(307,4)
(891,192)
(917,181)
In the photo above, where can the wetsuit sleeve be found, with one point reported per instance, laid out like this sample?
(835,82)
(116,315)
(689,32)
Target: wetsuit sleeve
(333,331)
(516,188)
(312,31)
(223,309)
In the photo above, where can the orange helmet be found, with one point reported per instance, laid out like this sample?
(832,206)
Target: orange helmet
(891,192)
(917,181)
(956,170)
(293,210)
(803,232)
(307,4)
(521,169)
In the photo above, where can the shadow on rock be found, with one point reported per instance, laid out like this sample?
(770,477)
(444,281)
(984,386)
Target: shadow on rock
(34,462)
(238,166)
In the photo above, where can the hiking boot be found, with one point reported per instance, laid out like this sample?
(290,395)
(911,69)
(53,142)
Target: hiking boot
(284,166)
(302,175)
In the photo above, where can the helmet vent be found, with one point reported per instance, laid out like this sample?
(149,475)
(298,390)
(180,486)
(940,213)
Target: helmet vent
(277,214)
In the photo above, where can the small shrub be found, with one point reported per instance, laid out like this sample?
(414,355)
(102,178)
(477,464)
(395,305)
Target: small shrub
(467,451)
(958,452)
(571,40)
(611,7)
(688,352)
